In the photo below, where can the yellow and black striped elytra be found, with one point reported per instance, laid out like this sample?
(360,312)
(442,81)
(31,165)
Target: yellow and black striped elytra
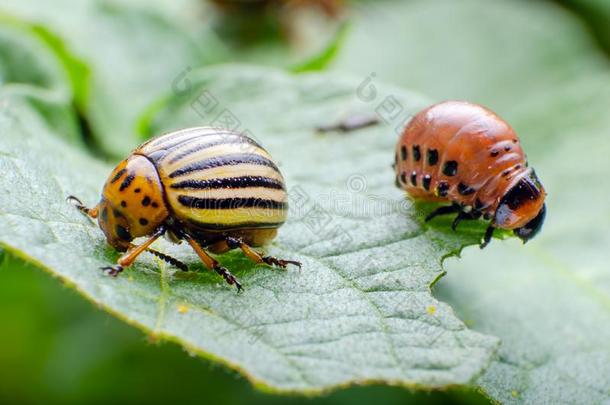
(215,188)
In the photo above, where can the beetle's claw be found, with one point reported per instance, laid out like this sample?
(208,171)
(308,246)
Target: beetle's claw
(113,271)
(270,260)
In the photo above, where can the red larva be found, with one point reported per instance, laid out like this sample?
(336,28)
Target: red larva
(465,154)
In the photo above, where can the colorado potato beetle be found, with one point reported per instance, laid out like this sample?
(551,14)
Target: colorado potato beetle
(465,154)
(217,189)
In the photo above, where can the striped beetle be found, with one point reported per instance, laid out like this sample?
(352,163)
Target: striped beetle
(215,188)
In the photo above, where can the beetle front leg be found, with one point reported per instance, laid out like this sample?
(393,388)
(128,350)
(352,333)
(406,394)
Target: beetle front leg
(90,212)
(128,258)
(234,243)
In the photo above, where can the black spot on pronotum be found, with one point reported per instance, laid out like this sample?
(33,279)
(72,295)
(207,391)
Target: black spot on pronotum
(137,190)
(465,189)
(432,157)
(442,188)
(426,182)
(118,175)
(416,153)
(507,148)
(155,205)
(506,172)
(494,153)
(122,232)
(450,168)
(143,221)
(403,152)
(123,204)
(414,178)
(127,182)
(146,201)
(403,177)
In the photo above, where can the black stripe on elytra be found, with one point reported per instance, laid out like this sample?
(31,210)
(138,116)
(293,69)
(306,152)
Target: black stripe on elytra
(225,140)
(230,203)
(225,160)
(230,182)
(118,175)
(127,182)
(241,225)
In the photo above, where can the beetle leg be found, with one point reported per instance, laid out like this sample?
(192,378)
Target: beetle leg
(90,212)
(128,258)
(213,264)
(487,238)
(447,209)
(256,257)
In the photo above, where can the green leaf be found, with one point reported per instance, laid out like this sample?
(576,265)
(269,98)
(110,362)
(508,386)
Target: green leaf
(359,311)
(549,300)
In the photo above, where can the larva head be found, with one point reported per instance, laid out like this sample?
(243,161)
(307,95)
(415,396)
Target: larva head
(522,207)
(132,202)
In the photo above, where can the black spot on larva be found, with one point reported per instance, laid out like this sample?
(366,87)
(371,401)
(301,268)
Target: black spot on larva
(507,148)
(146,201)
(143,221)
(450,168)
(506,172)
(494,153)
(426,182)
(155,205)
(414,178)
(117,213)
(137,190)
(403,152)
(123,204)
(122,232)
(515,140)
(432,157)
(465,189)
(416,153)
(517,167)
(478,204)
(403,177)
(442,188)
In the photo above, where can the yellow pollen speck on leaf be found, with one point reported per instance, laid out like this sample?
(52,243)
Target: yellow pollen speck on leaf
(431,310)
(183,309)
(514,393)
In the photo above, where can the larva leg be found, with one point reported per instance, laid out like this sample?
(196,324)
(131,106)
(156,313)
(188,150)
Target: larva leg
(487,238)
(448,209)
(212,264)
(464,216)
(90,212)
(256,257)
(128,258)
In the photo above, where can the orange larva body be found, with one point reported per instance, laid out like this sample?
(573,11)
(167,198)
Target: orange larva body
(465,154)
